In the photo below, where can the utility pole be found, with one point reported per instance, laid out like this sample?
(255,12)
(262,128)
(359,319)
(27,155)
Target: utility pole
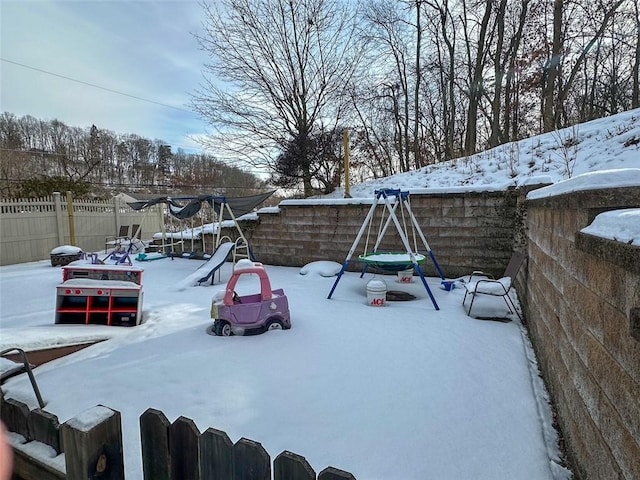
(347,153)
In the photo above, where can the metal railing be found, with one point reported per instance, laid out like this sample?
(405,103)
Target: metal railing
(27,368)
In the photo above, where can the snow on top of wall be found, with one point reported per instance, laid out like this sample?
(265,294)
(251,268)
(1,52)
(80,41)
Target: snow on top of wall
(619,225)
(623,177)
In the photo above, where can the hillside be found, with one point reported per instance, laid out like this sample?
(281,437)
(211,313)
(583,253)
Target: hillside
(606,143)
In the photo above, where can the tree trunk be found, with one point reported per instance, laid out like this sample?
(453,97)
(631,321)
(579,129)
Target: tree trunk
(498,69)
(509,131)
(551,70)
(635,93)
(476,87)
(417,157)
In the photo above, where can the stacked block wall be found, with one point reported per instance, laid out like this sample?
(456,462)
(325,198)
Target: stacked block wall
(466,231)
(582,299)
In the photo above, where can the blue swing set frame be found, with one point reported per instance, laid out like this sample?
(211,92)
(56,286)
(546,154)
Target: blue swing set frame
(383,261)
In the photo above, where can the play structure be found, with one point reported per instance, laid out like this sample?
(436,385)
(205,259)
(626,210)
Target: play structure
(394,202)
(122,253)
(99,294)
(255,313)
(226,250)
(183,210)
(210,270)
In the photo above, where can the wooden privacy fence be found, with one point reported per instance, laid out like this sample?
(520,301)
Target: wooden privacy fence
(31,228)
(90,446)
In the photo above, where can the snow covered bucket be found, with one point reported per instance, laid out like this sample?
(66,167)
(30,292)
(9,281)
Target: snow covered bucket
(405,276)
(376,293)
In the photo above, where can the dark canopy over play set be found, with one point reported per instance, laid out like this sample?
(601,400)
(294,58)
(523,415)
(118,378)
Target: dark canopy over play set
(235,206)
(185,208)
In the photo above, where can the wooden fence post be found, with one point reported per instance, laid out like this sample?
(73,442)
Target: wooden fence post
(154,433)
(290,466)
(116,213)
(184,443)
(93,445)
(72,220)
(57,205)
(331,473)
(250,461)
(216,455)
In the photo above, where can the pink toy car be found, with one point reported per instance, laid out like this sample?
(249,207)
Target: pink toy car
(257,313)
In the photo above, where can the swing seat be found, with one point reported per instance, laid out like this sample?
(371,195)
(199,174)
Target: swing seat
(391,261)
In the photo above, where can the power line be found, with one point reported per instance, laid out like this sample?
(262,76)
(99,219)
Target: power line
(95,86)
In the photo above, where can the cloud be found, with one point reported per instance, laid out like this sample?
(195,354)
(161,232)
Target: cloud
(145,49)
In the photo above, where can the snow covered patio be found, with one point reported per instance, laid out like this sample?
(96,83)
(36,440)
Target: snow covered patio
(400,392)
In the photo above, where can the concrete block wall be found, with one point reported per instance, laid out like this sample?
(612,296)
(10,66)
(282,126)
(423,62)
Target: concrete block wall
(582,304)
(466,231)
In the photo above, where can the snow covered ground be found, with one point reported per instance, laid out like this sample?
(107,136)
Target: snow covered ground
(402,391)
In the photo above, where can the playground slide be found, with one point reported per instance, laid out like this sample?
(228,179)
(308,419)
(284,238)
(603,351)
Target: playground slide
(207,270)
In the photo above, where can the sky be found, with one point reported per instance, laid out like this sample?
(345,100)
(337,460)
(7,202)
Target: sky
(144,49)
(401,391)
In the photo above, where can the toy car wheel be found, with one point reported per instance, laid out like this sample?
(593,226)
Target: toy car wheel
(274,325)
(222,328)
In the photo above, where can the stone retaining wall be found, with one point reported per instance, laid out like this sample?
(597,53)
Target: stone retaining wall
(582,299)
(466,231)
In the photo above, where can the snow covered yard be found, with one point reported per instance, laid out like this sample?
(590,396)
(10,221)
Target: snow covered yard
(399,392)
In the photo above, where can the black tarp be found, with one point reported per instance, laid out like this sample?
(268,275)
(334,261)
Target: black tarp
(187,207)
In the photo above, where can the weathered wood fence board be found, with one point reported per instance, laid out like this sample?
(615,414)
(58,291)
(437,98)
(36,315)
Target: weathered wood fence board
(250,461)
(44,428)
(290,466)
(184,445)
(35,425)
(154,435)
(15,415)
(216,455)
(93,448)
(178,451)
(331,473)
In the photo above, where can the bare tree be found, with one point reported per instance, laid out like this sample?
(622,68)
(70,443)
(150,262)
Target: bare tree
(278,67)
(10,162)
(477,63)
(443,39)
(635,95)
(556,86)
(387,34)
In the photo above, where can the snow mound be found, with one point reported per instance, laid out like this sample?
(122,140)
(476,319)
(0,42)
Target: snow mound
(66,250)
(244,264)
(619,225)
(324,268)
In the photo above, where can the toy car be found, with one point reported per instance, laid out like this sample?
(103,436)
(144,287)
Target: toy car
(256,313)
